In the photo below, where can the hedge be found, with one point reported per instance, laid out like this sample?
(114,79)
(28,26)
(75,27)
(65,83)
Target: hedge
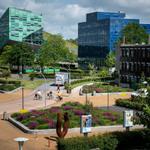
(3,81)
(8,85)
(38,75)
(92,79)
(86,143)
(138,139)
(129,104)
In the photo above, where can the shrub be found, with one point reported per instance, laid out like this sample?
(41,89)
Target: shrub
(32,125)
(43,126)
(129,104)
(99,90)
(87,143)
(138,139)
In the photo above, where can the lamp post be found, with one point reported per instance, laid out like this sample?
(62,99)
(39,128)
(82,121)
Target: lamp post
(22,97)
(45,88)
(107,97)
(21,141)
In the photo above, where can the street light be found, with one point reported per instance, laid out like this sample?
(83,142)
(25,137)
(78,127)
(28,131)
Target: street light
(107,97)
(22,97)
(45,87)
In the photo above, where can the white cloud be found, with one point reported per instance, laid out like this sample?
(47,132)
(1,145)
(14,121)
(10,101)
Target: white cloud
(63,16)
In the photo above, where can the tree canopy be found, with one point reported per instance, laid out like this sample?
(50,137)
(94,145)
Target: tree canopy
(54,50)
(110,60)
(134,33)
(19,54)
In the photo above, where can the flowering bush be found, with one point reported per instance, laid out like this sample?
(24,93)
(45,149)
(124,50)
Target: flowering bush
(36,113)
(51,123)
(99,90)
(110,116)
(67,107)
(21,117)
(55,109)
(79,112)
(46,119)
(32,125)
(22,111)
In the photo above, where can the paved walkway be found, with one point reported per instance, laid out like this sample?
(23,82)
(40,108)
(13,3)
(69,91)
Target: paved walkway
(29,102)
(37,142)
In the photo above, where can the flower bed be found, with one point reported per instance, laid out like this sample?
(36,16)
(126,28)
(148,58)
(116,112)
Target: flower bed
(103,88)
(46,119)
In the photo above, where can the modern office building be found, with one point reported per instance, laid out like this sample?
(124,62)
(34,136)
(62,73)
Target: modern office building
(133,61)
(19,25)
(146,27)
(99,34)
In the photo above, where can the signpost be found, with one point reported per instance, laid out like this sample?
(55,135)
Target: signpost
(86,123)
(128,119)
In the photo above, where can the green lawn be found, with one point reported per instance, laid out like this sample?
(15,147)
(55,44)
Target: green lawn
(32,84)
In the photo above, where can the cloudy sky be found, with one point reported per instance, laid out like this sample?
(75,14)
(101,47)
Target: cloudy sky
(62,16)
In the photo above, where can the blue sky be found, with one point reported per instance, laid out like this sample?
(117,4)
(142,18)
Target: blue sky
(63,16)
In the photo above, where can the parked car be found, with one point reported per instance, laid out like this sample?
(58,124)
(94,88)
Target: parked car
(141,93)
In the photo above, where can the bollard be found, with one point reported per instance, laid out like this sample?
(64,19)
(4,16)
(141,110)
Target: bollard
(5,117)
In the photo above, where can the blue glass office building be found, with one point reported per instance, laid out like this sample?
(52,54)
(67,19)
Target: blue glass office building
(98,35)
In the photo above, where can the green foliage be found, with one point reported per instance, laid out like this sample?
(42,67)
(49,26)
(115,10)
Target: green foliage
(8,85)
(92,70)
(74,110)
(145,116)
(129,104)
(86,80)
(134,33)
(106,142)
(54,50)
(38,75)
(4,72)
(17,54)
(138,139)
(110,60)
(103,72)
(103,87)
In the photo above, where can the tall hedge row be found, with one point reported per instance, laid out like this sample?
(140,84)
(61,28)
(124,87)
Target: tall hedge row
(138,139)
(84,143)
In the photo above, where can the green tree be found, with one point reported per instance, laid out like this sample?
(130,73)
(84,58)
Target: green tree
(92,70)
(134,33)
(54,50)
(19,54)
(145,116)
(103,72)
(4,72)
(110,60)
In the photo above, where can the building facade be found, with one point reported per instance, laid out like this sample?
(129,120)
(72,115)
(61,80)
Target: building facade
(19,25)
(99,34)
(133,61)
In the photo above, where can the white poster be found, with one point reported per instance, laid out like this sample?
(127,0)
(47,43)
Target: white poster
(128,118)
(86,123)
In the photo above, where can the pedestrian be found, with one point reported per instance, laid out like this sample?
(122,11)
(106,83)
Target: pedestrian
(58,87)
(50,95)
(59,96)
(39,94)
(80,92)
